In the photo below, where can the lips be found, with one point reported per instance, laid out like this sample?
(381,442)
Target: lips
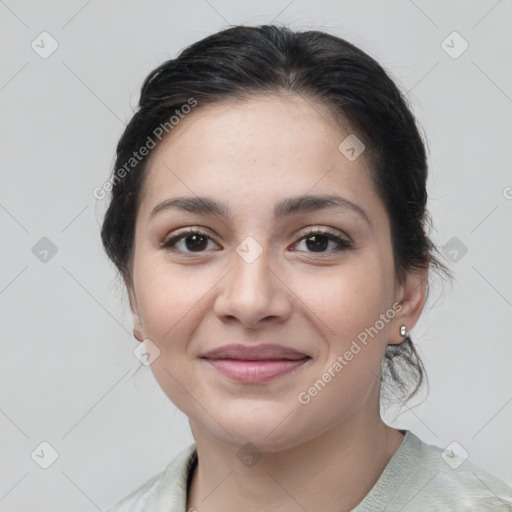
(265,352)
(255,364)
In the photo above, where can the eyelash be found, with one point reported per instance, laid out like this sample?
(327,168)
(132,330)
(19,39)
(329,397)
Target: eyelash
(342,244)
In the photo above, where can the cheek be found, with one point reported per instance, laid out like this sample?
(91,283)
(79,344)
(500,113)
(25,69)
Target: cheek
(171,308)
(347,307)
(166,301)
(348,299)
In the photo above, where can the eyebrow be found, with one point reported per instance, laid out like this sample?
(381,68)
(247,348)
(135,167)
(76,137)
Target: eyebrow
(287,207)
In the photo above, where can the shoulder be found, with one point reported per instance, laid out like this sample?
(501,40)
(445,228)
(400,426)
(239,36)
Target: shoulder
(445,480)
(138,499)
(169,486)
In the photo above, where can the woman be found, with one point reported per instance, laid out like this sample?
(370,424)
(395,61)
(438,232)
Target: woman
(268,217)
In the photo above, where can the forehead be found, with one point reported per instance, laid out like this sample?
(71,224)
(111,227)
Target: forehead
(249,128)
(256,151)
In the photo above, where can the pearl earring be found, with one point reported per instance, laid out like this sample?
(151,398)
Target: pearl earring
(403,331)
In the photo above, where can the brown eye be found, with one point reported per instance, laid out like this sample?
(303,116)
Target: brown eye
(319,241)
(188,241)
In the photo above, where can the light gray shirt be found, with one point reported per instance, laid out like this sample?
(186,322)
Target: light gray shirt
(418,477)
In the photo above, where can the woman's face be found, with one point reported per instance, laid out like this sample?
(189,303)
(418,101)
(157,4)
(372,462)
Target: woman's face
(254,278)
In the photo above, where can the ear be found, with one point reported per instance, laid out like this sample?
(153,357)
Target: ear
(137,325)
(411,297)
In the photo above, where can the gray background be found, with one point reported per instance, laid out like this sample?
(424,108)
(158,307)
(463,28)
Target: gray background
(67,372)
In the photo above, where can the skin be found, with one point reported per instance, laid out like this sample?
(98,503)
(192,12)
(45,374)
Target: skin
(325,455)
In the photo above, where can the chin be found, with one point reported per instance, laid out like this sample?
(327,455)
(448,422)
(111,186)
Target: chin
(264,434)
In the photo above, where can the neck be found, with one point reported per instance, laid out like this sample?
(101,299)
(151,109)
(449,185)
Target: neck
(333,471)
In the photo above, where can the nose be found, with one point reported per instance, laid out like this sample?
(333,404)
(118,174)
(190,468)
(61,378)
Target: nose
(253,293)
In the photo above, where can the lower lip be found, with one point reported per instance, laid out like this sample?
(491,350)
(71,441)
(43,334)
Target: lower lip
(255,371)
